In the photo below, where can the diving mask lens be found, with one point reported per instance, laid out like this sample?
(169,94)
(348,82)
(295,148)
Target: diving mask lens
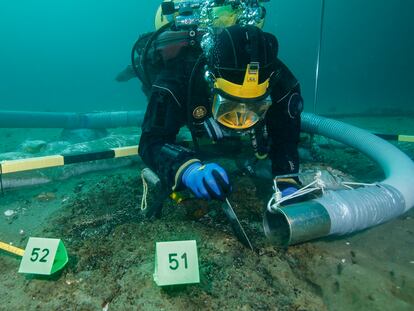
(238,114)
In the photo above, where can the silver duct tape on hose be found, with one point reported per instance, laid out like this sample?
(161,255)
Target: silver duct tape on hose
(355,210)
(336,213)
(347,211)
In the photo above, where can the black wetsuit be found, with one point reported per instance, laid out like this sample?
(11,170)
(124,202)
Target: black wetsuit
(168,110)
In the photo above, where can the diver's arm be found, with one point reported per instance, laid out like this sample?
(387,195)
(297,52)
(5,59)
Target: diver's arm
(158,149)
(283,124)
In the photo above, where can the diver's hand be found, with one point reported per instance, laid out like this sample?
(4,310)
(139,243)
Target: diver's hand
(208,181)
(289,186)
(288,191)
(126,74)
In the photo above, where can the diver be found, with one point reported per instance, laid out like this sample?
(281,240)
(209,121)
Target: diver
(238,87)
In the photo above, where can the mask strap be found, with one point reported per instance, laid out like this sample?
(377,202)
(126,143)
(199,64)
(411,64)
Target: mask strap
(253,41)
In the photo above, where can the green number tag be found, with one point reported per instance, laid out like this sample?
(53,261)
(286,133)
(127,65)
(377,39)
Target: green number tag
(43,256)
(176,263)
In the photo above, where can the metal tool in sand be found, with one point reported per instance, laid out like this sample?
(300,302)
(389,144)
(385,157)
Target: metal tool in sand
(235,224)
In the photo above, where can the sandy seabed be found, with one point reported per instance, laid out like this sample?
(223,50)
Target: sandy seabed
(111,248)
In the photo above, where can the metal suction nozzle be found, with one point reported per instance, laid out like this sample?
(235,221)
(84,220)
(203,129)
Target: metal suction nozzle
(296,223)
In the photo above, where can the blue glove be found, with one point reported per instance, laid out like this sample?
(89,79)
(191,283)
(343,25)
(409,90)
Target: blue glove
(209,181)
(289,190)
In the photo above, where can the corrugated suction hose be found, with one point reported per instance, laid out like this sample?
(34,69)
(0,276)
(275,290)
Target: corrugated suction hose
(347,210)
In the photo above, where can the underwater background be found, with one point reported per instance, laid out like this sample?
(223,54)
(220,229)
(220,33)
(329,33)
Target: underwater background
(64,56)
(355,62)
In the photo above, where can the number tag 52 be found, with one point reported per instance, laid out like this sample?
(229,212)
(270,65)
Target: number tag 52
(43,256)
(35,254)
(176,263)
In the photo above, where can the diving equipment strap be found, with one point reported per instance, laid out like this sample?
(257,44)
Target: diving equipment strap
(253,39)
(144,203)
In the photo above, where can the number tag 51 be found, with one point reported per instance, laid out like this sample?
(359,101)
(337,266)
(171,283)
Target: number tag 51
(176,263)
(43,256)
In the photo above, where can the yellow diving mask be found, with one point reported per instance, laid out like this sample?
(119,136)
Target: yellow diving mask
(239,115)
(241,106)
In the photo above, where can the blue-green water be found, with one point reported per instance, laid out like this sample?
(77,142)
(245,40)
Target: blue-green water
(63,56)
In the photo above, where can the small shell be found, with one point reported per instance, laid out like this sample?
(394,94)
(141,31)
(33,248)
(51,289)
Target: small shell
(46,196)
(9,213)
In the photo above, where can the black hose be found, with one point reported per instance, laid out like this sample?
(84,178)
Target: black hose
(134,67)
(145,78)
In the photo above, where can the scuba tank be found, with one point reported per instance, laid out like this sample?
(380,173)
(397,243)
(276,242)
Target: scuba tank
(177,25)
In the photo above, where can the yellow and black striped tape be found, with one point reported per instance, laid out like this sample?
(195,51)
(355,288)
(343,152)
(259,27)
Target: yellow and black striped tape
(14,166)
(396,137)
(11,249)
